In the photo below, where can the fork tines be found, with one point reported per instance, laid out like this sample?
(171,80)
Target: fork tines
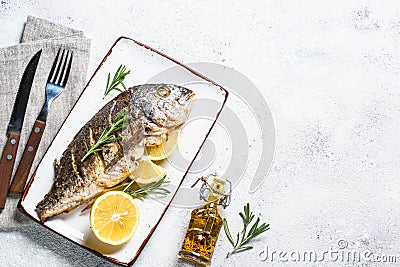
(65,61)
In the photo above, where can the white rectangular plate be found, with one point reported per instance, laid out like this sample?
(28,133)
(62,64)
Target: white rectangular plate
(147,66)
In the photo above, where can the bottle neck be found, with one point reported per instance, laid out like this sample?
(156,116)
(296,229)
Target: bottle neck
(216,192)
(213,199)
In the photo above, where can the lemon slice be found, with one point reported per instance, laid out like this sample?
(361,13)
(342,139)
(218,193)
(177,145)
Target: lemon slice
(114,217)
(147,172)
(164,150)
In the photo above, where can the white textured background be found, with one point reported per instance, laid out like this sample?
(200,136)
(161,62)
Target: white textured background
(330,71)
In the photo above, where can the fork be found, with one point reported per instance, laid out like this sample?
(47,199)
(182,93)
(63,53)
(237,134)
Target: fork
(55,85)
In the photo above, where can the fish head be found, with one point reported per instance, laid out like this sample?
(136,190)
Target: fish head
(166,105)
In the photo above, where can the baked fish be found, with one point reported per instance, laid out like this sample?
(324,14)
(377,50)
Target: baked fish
(153,109)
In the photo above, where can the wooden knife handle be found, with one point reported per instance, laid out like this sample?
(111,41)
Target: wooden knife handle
(25,164)
(6,166)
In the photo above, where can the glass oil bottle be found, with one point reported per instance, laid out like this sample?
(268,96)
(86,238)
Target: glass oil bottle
(205,223)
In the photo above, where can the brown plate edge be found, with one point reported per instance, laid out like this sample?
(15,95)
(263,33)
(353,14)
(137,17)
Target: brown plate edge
(113,260)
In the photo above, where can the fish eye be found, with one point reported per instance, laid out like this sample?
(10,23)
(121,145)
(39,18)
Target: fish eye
(163,91)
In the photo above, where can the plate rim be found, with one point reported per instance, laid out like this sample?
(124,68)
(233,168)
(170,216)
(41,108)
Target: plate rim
(138,252)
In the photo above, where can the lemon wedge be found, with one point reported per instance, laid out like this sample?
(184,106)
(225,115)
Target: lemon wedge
(147,172)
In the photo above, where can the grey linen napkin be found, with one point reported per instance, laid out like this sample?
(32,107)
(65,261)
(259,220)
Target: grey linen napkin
(38,34)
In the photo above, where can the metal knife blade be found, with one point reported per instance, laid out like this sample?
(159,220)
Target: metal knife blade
(21,101)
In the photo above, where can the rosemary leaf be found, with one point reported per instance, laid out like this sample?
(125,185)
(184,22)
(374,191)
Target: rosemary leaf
(228,233)
(107,135)
(237,239)
(118,80)
(255,230)
(153,189)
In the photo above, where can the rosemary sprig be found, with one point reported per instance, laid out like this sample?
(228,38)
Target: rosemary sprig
(107,135)
(154,188)
(118,79)
(255,230)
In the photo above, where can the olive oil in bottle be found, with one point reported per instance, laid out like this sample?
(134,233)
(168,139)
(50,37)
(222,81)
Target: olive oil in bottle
(204,227)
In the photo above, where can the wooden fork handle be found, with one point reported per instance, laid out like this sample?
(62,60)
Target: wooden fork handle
(24,167)
(6,166)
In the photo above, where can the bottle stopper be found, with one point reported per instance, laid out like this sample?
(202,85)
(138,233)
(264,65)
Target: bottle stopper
(212,185)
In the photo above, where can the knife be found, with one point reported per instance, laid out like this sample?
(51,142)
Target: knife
(56,83)
(14,127)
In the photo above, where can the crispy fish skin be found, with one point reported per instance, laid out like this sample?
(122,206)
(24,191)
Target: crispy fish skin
(154,110)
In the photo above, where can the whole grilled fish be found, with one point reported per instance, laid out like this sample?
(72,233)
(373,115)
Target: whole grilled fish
(153,109)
